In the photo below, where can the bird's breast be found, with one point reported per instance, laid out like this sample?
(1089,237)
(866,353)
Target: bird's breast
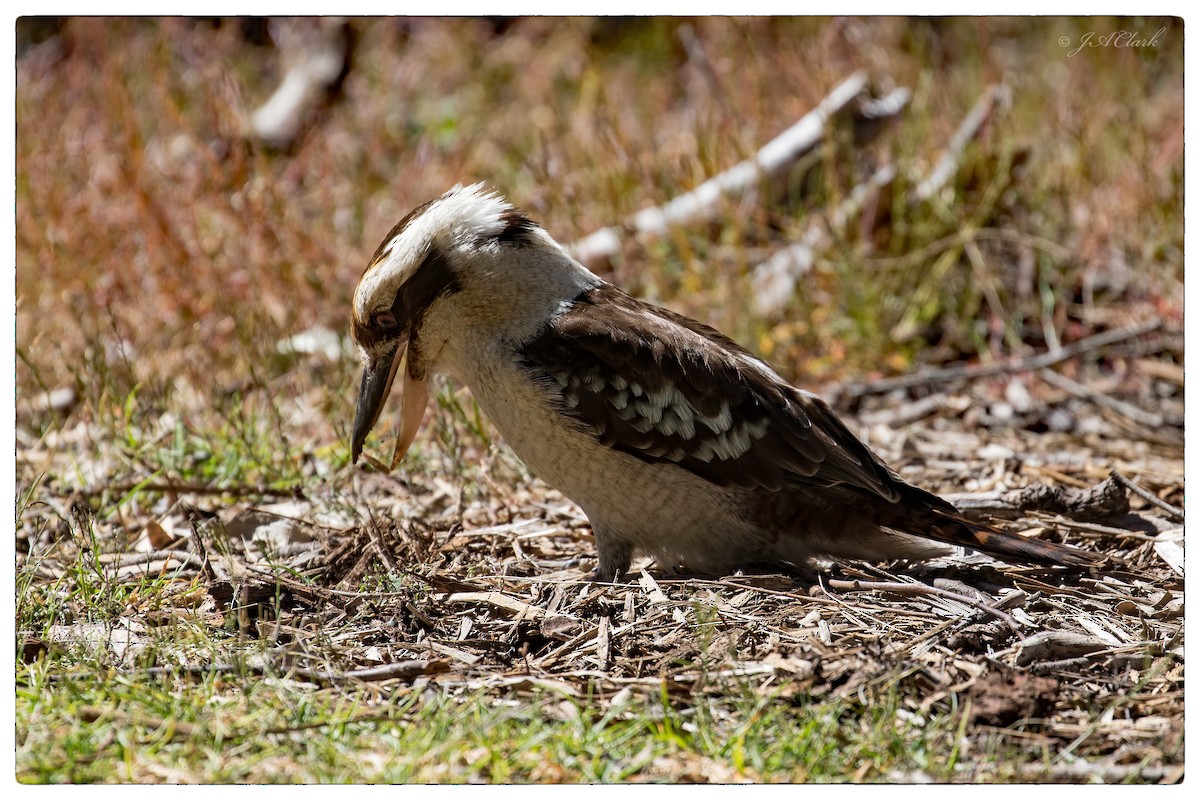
(660,508)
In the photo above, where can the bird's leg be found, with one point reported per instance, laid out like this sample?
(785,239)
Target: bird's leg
(615,554)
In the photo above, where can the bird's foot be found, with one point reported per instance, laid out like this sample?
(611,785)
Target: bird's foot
(598,576)
(615,558)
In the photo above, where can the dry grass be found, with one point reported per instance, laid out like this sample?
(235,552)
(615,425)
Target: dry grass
(162,258)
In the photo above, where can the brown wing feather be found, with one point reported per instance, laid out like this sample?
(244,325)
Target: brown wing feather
(667,389)
(664,388)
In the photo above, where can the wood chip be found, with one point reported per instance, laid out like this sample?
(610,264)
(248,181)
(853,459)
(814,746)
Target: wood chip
(651,588)
(1172,554)
(498,600)
(1055,645)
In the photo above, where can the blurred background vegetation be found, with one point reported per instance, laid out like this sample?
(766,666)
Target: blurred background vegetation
(164,257)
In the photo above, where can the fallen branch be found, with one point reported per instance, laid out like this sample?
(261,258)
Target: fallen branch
(1102,500)
(319,52)
(773,159)
(977,371)
(774,280)
(874,113)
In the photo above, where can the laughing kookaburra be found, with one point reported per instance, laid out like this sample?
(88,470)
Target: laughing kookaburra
(675,441)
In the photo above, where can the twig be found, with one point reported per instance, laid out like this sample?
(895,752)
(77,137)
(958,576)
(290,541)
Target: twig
(571,647)
(185,487)
(976,371)
(403,670)
(1148,419)
(206,566)
(1176,514)
(1062,665)
(602,644)
(763,590)
(968,130)
(774,280)
(774,158)
(179,730)
(697,56)
(119,560)
(1108,773)
(380,548)
(316,593)
(922,589)
(1090,530)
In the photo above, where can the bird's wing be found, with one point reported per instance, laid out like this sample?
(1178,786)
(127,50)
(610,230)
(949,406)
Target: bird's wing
(664,388)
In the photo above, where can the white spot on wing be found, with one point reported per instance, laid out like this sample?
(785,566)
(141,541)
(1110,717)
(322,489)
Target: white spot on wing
(677,420)
(594,381)
(648,411)
(719,423)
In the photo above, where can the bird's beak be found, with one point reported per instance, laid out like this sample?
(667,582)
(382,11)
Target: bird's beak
(377,380)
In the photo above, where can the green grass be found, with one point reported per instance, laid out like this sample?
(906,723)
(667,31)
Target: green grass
(87,726)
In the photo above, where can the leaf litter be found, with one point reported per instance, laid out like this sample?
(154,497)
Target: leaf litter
(491,594)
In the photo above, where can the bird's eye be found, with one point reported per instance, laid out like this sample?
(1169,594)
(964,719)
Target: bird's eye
(385,319)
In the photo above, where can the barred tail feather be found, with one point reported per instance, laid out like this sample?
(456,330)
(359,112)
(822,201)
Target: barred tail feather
(952,528)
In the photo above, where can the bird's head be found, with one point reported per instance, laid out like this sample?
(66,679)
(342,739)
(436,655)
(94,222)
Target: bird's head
(467,258)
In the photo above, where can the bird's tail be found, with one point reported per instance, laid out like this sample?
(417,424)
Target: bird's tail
(952,528)
(924,514)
